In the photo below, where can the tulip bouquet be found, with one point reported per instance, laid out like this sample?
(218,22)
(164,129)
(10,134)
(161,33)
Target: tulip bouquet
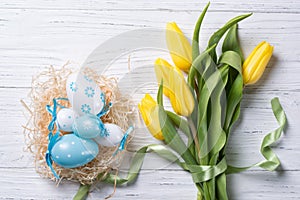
(205,91)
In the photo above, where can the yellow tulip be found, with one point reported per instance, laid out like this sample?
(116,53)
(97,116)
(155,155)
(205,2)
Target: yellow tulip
(179,47)
(254,66)
(149,111)
(159,76)
(175,87)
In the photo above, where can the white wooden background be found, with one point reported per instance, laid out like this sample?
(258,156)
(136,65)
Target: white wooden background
(36,34)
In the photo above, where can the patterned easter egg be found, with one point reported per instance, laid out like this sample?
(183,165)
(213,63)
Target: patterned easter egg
(112,137)
(65,119)
(88,126)
(71,151)
(84,94)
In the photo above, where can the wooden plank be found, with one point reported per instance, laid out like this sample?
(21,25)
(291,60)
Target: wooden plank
(25,184)
(56,37)
(164,5)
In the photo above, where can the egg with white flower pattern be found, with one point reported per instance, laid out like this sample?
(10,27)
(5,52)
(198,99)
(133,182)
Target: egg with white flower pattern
(84,94)
(71,151)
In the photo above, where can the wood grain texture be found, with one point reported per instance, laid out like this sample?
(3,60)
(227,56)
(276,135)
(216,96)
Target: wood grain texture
(35,34)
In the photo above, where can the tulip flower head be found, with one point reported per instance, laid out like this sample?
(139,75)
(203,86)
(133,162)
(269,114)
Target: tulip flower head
(175,87)
(163,74)
(255,64)
(149,110)
(179,47)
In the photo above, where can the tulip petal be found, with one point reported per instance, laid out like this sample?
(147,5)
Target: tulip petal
(179,47)
(177,89)
(257,57)
(246,62)
(261,66)
(149,111)
(256,63)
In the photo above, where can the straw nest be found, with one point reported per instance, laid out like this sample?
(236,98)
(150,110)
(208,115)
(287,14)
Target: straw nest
(50,84)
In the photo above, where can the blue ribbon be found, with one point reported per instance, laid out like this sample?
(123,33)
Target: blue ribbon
(124,139)
(106,108)
(104,132)
(49,161)
(53,138)
(52,111)
(61,99)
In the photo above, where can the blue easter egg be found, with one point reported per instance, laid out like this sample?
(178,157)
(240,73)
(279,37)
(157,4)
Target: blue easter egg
(71,151)
(88,126)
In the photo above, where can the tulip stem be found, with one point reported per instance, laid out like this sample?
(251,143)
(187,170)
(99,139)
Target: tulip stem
(200,191)
(194,134)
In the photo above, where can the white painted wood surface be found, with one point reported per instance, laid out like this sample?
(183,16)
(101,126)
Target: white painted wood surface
(36,34)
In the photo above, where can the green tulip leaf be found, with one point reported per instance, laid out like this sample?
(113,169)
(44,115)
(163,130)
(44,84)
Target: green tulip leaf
(231,41)
(183,125)
(232,59)
(221,191)
(172,138)
(215,80)
(160,94)
(216,37)
(195,42)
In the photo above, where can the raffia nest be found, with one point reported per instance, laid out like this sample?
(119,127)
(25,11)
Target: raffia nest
(50,84)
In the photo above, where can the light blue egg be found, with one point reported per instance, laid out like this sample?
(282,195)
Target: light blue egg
(71,151)
(88,126)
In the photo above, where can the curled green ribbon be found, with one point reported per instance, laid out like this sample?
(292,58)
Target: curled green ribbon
(272,161)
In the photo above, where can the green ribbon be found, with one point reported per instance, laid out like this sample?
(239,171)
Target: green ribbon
(137,163)
(271,161)
(82,192)
(201,173)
